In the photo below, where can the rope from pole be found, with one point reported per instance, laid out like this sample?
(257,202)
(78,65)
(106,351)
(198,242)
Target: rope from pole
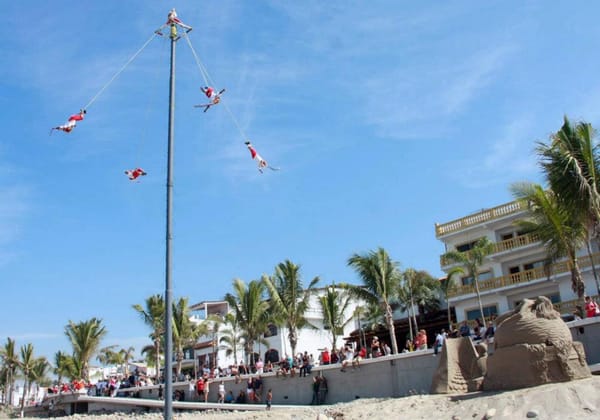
(120,71)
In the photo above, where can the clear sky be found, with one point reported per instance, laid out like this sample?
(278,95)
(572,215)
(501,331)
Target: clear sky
(384,116)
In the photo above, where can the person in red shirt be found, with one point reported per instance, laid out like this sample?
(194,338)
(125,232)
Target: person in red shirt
(71,122)
(591,308)
(134,174)
(325,357)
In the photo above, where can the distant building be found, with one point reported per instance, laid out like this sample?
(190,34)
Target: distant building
(312,339)
(514,270)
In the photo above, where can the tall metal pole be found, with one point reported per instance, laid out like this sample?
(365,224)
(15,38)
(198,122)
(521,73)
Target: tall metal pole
(168,395)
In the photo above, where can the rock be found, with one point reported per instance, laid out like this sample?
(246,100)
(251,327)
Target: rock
(531,414)
(455,417)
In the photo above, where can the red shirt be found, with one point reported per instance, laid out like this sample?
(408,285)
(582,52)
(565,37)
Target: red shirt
(200,385)
(76,117)
(325,357)
(591,309)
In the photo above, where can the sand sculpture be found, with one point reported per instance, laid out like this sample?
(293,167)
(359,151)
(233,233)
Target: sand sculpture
(532,346)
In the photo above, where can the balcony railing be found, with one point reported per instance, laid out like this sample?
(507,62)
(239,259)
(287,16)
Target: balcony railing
(480,217)
(506,245)
(522,277)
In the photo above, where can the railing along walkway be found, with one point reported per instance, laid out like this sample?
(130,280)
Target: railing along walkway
(523,276)
(479,217)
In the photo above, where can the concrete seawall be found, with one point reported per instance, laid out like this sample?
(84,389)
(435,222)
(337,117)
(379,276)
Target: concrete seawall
(387,376)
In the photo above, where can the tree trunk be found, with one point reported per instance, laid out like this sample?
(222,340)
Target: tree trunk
(589,251)
(390,324)
(157,351)
(449,317)
(576,280)
(476,280)
(293,337)
(410,326)
(24,396)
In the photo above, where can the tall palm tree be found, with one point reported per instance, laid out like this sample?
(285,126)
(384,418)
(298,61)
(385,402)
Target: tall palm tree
(37,373)
(447,286)
(250,310)
(472,260)
(334,306)
(106,355)
(85,337)
(230,339)
(26,364)
(571,163)
(153,315)
(185,331)
(10,362)
(417,288)
(561,233)
(289,299)
(64,366)
(126,355)
(380,278)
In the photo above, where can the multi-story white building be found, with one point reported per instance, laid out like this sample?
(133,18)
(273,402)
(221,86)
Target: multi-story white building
(312,339)
(514,270)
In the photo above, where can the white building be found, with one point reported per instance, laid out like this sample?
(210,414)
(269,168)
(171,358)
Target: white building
(514,271)
(311,339)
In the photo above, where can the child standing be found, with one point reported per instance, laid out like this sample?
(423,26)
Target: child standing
(269,398)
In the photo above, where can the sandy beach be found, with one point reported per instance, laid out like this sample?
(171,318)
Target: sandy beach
(571,400)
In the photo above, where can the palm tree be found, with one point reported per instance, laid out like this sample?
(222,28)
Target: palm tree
(380,278)
(153,315)
(10,362)
(108,356)
(64,366)
(472,260)
(571,163)
(231,339)
(38,372)
(85,337)
(29,366)
(126,355)
(447,285)
(334,306)
(289,300)
(250,311)
(561,233)
(417,288)
(185,331)
(149,353)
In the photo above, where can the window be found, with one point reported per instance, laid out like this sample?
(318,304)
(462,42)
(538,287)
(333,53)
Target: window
(488,311)
(486,275)
(514,270)
(532,265)
(272,331)
(468,280)
(465,247)
(507,237)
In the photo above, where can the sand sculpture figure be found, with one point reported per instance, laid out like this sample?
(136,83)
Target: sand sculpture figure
(532,346)
(461,368)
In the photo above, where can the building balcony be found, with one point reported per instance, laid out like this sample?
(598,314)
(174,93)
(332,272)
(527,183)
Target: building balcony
(477,218)
(507,245)
(522,277)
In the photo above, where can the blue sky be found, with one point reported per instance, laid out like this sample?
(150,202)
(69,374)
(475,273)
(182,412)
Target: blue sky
(384,116)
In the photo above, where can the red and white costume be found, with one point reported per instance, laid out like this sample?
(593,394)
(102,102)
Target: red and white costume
(134,174)
(211,94)
(258,158)
(71,122)
(173,19)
